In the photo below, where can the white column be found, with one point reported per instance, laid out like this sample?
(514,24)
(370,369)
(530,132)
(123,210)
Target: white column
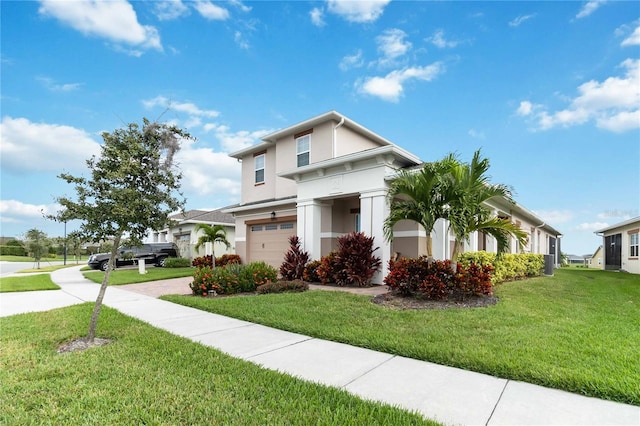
(309,221)
(373,212)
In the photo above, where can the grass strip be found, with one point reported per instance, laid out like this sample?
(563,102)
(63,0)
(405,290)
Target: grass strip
(148,376)
(27,283)
(133,276)
(578,331)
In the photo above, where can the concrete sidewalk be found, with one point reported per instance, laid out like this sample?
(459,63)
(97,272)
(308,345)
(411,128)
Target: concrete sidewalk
(449,395)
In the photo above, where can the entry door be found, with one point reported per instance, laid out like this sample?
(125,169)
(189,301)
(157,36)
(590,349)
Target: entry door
(552,248)
(613,252)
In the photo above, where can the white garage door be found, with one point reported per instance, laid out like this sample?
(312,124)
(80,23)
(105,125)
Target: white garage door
(270,241)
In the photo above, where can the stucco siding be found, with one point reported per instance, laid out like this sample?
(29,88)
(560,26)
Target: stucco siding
(348,142)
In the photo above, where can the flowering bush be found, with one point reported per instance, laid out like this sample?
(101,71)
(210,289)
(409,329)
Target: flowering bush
(256,274)
(203,282)
(223,260)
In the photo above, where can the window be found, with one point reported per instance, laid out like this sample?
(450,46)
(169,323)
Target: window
(270,227)
(256,228)
(286,226)
(259,168)
(357,223)
(303,144)
(633,245)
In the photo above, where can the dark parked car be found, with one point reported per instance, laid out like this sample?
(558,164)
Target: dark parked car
(155,253)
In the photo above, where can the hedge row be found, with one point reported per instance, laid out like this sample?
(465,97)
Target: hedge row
(12,251)
(508,266)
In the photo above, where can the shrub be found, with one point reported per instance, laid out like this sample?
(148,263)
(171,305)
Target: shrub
(310,273)
(177,262)
(256,274)
(11,250)
(436,279)
(283,287)
(202,261)
(355,263)
(507,266)
(227,259)
(295,260)
(203,281)
(326,269)
(226,280)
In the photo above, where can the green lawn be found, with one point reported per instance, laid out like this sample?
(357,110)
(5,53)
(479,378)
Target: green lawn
(132,276)
(578,331)
(27,283)
(148,376)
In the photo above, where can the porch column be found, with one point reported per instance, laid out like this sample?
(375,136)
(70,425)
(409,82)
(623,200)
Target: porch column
(373,212)
(309,221)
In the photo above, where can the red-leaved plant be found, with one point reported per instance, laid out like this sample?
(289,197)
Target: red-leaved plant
(295,260)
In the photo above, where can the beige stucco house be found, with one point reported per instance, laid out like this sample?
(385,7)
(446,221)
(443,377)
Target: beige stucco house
(183,232)
(620,246)
(597,259)
(328,176)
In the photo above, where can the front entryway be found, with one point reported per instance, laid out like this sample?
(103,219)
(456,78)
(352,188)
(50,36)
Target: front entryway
(613,252)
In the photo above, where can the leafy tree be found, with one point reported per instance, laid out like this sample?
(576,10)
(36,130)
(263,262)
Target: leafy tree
(455,191)
(131,190)
(211,234)
(37,244)
(74,244)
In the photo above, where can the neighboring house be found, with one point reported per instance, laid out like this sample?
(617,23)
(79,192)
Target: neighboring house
(620,246)
(183,233)
(328,176)
(597,259)
(574,259)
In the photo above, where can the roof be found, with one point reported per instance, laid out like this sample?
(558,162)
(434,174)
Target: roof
(204,216)
(271,138)
(619,225)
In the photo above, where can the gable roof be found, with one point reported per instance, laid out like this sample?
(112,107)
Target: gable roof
(620,224)
(271,138)
(204,216)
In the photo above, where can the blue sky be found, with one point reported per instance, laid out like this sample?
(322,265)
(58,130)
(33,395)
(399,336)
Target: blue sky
(550,91)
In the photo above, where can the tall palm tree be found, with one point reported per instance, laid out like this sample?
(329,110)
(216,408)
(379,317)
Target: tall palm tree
(455,191)
(417,195)
(467,191)
(211,234)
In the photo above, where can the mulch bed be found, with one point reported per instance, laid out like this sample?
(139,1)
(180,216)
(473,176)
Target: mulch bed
(397,301)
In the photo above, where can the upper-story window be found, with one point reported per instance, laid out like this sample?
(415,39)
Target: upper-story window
(259,168)
(303,145)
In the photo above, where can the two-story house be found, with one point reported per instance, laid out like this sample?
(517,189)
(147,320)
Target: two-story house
(328,176)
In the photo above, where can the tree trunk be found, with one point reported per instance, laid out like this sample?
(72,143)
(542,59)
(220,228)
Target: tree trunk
(103,288)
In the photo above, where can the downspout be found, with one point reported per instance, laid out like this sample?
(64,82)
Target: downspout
(335,136)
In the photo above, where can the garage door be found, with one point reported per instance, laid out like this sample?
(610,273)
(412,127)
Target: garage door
(270,241)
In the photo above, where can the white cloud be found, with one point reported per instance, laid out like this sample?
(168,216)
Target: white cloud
(186,107)
(317,16)
(438,40)
(28,146)
(351,61)
(357,11)
(114,20)
(169,10)
(613,104)
(240,40)
(211,11)
(235,141)
(633,39)
(18,208)
(391,87)
(589,7)
(591,226)
(392,45)
(208,172)
(50,84)
(476,134)
(618,214)
(520,19)
(243,7)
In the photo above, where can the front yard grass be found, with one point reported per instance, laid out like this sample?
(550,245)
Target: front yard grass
(27,283)
(148,376)
(132,276)
(578,331)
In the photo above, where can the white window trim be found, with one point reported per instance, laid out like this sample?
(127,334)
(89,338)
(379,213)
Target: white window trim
(308,151)
(256,169)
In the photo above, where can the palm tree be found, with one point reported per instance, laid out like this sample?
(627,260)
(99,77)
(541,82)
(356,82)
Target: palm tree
(211,234)
(468,189)
(455,191)
(417,195)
